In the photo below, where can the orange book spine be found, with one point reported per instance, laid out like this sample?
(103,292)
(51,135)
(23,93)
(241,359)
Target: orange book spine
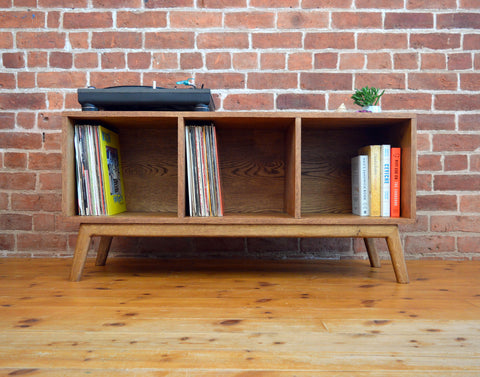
(395,182)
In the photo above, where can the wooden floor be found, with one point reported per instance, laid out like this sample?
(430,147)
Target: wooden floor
(238,318)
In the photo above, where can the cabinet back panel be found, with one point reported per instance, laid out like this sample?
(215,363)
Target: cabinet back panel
(149,158)
(252,168)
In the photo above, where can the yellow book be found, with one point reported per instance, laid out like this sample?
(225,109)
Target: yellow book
(374,176)
(113,188)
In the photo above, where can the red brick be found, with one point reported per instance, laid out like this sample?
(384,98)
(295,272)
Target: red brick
(274,3)
(13,59)
(79,39)
(456,162)
(471,42)
(470,81)
(379,4)
(6,40)
(302,20)
(61,60)
(423,142)
(272,61)
(433,61)
(455,142)
(26,120)
(22,19)
(457,182)
(300,101)
(475,162)
(435,41)
(44,241)
(356,20)
(277,40)
(380,80)
(15,160)
(407,20)
(326,4)
(88,20)
(337,99)
(7,242)
(407,101)
(222,40)
(259,80)
(431,4)
(7,121)
(55,100)
(218,60)
(469,4)
(17,181)
(18,101)
(446,223)
(470,203)
(113,60)
(221,81)
(165,60)
(429,163)
(139,20)
(300,61)
(405,60)
(436,122)
(62,3)
(336,40)
(218,4)
(380,41)
(139,60)
(50,181)
(170,40)
(380,60)
(459,61)
(53,19)
(36,202)
(249,20)
(437,202)
(469,122)
(61,79)
(352,60)
(85,60)
(117,3)
(468,244)
(325,60)
(71,101)
(44,222)
(49,121)
(257,101)
(126,39)
(424,182)
(105,79)
(326,81)
(458,21)
(53,142)
(45,40)
(7,81)
(15,221)
(44,161)
(37,59)
(26,80)
(245,60)
(191,60)
(429,244)
(432,81)
(457,102)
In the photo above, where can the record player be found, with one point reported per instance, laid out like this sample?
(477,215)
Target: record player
(143,98)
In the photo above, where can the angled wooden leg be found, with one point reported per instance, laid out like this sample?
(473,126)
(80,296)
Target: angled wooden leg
(81,250)
(397,256)
(103,249)
(372,252)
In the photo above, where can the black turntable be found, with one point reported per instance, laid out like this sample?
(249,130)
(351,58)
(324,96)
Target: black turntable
(124,98)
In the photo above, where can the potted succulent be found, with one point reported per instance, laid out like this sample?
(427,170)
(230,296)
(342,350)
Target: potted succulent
(368,98)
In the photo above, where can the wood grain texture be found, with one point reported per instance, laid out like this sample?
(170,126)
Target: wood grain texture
(238,318)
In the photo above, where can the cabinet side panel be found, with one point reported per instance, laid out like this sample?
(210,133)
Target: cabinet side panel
(69,198)
(181,210)
(293,170)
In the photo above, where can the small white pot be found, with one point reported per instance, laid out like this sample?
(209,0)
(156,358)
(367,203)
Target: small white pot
(373,109)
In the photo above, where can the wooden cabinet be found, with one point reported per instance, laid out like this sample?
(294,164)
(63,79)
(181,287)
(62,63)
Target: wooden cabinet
(283,175)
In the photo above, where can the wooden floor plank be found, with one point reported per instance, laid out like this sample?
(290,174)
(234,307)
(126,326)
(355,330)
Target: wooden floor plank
(238,319)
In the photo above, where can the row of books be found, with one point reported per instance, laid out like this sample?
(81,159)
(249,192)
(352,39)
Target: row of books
(376,181)
(99,180)
(203,176)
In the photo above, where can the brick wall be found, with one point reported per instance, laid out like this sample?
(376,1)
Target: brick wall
(254,54)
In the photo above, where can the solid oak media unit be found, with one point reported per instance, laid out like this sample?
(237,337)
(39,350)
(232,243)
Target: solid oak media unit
(284,174)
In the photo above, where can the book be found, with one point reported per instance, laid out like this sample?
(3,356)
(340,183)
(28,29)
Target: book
(385,180)
(360,191)
(395,182)
(374,177)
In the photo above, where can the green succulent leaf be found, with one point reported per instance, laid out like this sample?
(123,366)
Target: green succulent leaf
(367,96)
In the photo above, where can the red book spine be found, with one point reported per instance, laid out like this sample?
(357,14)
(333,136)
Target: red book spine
(395,182)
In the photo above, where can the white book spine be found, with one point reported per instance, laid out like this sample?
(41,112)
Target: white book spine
(360,186)
(385,198)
